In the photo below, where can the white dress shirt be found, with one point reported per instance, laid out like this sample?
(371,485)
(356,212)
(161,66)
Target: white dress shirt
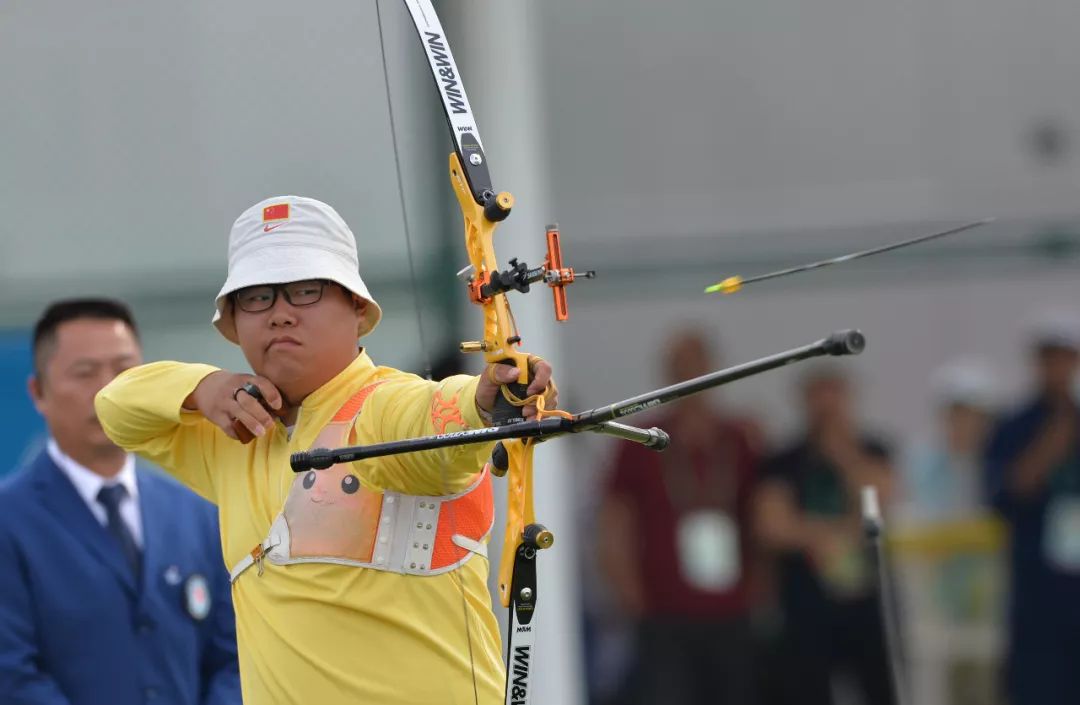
(88,483)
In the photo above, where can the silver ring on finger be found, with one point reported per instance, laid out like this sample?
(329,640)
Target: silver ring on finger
(253,391)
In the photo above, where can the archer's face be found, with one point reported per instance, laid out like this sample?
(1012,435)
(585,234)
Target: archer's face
(300,347)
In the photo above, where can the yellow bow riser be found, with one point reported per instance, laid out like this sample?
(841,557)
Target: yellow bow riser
(497,346)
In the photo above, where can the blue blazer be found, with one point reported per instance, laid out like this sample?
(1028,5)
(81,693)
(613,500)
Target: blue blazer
(76,628)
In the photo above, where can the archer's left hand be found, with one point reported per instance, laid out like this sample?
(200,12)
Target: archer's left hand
(540,371)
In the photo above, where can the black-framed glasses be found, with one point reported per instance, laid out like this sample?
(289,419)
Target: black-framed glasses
(262,297)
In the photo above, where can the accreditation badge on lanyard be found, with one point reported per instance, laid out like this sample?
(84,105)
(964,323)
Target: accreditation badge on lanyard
(1061,534)
(708,545)
(1061,530)
(706,534)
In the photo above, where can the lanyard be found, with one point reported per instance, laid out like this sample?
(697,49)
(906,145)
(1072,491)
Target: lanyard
(711,484)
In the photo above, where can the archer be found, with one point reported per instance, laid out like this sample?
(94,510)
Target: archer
(349,583)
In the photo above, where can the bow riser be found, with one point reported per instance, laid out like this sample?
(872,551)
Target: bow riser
(519,512)
(500,333)
(498,346)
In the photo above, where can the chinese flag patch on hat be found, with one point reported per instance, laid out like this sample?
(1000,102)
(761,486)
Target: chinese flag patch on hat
(278,211)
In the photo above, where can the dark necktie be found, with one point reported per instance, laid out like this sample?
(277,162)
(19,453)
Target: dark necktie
(110,497)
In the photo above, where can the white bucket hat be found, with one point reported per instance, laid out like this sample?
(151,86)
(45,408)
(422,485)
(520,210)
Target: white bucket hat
(966,381)
(287,239)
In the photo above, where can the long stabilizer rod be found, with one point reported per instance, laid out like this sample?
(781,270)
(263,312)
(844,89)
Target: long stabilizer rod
(599,420)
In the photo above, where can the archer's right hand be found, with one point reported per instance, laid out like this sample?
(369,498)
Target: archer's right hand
(220,397)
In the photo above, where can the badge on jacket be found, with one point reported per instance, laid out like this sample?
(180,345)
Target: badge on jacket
(197,597)
(172,576)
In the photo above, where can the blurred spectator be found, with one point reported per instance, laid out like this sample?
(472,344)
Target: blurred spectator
(943,478)
(114,588)
(1033,472)
(674,543)
(947,547)
(807,512)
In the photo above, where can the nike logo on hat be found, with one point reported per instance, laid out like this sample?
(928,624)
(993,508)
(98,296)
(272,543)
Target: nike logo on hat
(268,228)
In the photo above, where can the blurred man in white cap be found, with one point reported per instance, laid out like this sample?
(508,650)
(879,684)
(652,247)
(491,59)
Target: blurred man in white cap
(365,582)
(943,477)
(1033,473)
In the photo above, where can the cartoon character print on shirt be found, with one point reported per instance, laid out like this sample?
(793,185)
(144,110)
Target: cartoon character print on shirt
(331,514)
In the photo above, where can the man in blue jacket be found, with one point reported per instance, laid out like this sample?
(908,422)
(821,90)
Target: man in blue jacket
(1033,468)
(113,590)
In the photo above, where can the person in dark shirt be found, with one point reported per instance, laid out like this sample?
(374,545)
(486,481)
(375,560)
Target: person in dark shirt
(674,543)
(807,514)
(1033,480)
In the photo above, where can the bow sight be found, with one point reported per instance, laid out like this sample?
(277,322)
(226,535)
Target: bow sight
(483,287)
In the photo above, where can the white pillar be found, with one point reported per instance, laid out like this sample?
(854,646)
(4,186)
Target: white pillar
(497,48)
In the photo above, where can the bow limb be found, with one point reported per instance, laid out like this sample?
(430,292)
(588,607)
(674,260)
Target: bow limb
(519,513)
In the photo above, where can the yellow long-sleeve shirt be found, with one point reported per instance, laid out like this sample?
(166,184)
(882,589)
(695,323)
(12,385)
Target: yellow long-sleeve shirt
(322,633)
